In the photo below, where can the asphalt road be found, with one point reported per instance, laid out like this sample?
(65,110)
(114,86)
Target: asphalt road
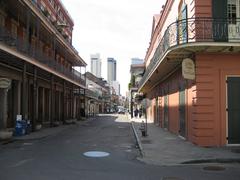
(60,157)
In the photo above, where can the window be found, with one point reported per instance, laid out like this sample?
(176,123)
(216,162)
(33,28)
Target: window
(52,3)
(232,11)
(43,6)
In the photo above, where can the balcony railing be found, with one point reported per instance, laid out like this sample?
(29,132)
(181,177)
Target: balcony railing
(91,94)
(53,26)
(193,31)
(37,55)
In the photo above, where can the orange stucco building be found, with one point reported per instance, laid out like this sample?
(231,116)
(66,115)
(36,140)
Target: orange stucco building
(204,107)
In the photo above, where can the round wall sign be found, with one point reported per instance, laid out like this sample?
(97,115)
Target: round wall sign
(188,69)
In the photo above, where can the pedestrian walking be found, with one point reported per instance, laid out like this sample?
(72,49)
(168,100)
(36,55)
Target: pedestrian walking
(136,113)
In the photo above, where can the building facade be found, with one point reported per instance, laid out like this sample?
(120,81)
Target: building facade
(97,96)
(136,71)
(37,78)
(192,76)
(116,86)
(96,65)
(111,70)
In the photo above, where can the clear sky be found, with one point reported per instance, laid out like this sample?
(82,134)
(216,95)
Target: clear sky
(114,28)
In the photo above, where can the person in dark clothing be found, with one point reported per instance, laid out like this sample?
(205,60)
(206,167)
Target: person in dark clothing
(136,113)
(140,112)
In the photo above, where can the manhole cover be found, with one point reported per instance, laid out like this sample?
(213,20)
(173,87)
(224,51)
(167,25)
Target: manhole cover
(146,141)
(96,154)
(214,168)
(171,178)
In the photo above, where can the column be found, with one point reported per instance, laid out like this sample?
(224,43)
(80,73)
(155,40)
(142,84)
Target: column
(59,105)
(64,103)
(52,102)
(24,92)
(43,104)
(72,102)
(3,108)
(16,98)
(79,104)
(35,100)
(84,100)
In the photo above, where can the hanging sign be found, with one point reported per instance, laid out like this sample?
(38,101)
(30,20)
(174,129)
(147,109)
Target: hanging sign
(188,69)
(5,83)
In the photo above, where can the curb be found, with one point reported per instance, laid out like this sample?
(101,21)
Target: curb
(202,161)
(43,135)
(138,142)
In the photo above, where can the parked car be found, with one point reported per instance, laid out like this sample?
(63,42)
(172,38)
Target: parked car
(121,110)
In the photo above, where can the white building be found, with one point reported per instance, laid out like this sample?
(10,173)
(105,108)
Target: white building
(96,65)
(137,61)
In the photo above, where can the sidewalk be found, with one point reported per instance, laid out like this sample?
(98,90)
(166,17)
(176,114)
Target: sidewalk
(46,132)
(161,147)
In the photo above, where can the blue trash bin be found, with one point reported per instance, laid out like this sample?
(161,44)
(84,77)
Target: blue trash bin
(20,128)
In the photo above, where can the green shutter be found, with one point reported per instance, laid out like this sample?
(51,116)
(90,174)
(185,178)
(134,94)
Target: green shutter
(220,25)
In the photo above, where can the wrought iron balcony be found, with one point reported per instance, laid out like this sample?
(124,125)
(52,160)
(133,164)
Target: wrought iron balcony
(193,32)
(91,94)
(35,54)
(34,3)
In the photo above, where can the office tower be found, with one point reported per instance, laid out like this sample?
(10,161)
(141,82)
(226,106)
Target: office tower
(96,65)
(111,70)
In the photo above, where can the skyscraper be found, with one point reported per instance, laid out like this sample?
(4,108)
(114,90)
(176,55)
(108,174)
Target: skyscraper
(112,70)
(96,65)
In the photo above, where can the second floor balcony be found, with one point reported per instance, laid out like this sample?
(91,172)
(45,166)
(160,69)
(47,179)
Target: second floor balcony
(26,35)
(37,56)
(92,94)
(184,38)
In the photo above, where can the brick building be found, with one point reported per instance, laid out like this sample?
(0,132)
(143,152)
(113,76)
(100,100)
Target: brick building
(37,78)
(192,77)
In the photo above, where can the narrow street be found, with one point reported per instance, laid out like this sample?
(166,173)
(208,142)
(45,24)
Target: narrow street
(60,156)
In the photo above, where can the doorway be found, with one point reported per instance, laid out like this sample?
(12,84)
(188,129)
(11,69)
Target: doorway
(182,116)
(165,109)
(233,110)
(156,112)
